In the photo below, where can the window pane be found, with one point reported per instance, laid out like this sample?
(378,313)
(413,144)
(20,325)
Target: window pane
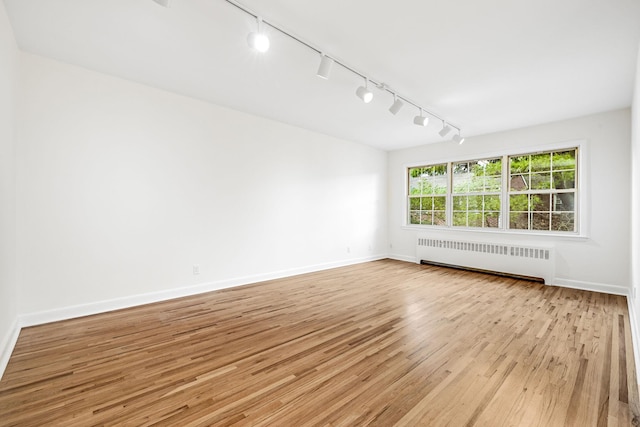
(426,217)
(440,186)
(541,162)
(493,167)
(460,168)
(439,218)
(540,202)
(540,221)
(540,181)
(461,177)
(460,219)
(564,160)
(563,222)
(474,203)
(519,182)
(476,184)
(564,202)
(414,203)
(414,217)
(475,219)
(439,203)
(493,183)
(492,219)
(492,203)
(459,203)
(518,164)
(428,180)
(477,176)
(426,202)
(519,203)
(564,180)
(415,186)
(439,170)
(427,186)
(519,221)
(415,183)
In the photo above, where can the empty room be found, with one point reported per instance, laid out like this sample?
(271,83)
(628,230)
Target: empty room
(291,213)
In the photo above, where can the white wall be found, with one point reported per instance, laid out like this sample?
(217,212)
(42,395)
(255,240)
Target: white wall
(123,188)
(600,262)
(634,307)
(8,283)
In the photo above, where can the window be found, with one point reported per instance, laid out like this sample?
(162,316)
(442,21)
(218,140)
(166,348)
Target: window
(428,195)
(542,191)
(528,192)
(476,193)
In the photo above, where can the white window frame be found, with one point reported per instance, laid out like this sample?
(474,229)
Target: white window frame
(581,191)
(452,194)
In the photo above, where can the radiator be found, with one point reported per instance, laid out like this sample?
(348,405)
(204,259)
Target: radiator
(519,260)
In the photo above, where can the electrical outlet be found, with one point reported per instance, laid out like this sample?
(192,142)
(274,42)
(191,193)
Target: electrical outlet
(196,269)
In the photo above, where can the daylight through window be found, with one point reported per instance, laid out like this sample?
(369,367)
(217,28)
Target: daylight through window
(533,192)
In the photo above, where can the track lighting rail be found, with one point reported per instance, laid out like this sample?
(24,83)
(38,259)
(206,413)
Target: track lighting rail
(379,84)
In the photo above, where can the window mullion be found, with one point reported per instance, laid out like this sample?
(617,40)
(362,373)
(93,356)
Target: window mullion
(449,199)
(504,199)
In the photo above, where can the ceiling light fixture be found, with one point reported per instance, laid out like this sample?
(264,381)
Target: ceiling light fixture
(258,40)
(458,138)
(164,3)
(445,130)
(421,120)
(324,70)
(364,93)
(396,106)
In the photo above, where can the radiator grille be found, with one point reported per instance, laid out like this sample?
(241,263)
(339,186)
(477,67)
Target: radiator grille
(522,259)
(487,248)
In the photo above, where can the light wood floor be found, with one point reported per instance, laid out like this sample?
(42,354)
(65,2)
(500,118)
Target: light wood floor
(383,343)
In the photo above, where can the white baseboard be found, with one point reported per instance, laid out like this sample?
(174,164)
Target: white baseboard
(635,337)
(405,258)
(590,286)
(70,312)
(7,345)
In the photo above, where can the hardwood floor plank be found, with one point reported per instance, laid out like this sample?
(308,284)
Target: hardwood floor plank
(384,343)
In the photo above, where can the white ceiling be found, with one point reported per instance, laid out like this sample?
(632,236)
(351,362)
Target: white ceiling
(484,65)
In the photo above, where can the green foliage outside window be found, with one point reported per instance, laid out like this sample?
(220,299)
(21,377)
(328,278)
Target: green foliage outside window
(540,193)
(476,193)
(427,195)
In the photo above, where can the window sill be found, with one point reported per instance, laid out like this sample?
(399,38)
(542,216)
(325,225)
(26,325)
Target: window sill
(497,232)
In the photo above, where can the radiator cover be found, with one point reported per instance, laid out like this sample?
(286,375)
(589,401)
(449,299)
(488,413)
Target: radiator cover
(521,260)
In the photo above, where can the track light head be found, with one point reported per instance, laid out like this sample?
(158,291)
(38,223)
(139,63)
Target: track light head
(164,3)
(325,67)
(396,106)
(364,93)
(445,130)
(258,40)
(457,138)
(421,120)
